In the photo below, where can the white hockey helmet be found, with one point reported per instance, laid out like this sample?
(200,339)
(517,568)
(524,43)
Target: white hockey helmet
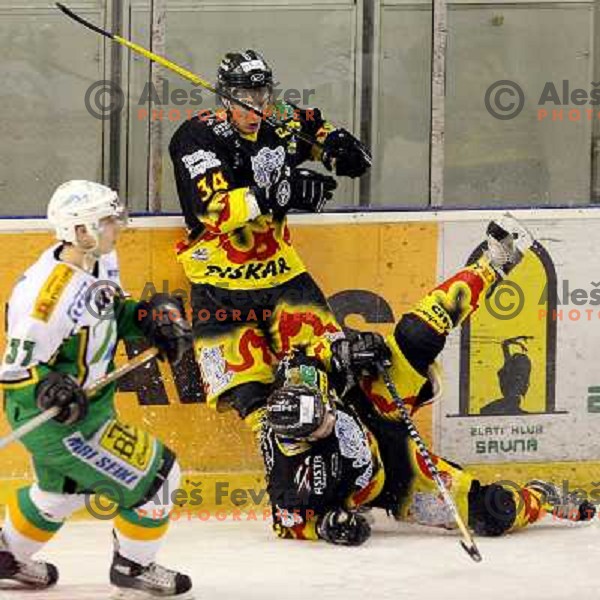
(80,202)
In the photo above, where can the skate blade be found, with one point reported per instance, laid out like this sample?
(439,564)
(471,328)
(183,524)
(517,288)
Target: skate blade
(510,223)
(132,594)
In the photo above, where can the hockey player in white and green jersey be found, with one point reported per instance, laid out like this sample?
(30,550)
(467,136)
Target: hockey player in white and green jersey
(64,322)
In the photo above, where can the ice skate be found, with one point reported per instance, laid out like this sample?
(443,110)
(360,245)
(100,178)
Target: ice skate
(561,506)
(32,573)
(507,241)
(133,580)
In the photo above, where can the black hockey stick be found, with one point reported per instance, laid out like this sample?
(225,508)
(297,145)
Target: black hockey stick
(468,543)
(195,79)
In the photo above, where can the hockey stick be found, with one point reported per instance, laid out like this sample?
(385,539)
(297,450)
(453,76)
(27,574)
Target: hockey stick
(195,79)
(468,543)
(49,414)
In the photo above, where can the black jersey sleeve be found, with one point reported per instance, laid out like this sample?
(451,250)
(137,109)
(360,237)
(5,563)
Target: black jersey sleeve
(306,480)
(301,484)
(205,182)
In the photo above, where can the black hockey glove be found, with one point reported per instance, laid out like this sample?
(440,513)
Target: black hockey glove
(62,390)
(361,353)
(350,157)
(301,189)
(162,319)
(344,528)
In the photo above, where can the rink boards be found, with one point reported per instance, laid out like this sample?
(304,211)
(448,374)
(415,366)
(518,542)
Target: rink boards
(522,393)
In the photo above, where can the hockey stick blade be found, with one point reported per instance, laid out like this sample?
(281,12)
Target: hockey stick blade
(472,551)
(67,11)
(467,542)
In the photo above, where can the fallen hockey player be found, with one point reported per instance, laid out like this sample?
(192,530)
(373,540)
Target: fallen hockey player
(334,443)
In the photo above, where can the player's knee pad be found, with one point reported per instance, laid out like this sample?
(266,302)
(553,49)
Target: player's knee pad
(419,342)
(56,507)
(492,509)
(158,501)
(248,397)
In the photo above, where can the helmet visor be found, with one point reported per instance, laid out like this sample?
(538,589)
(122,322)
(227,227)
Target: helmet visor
(259,98)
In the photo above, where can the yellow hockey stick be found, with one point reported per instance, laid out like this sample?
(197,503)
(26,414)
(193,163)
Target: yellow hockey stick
(467,542)
(195,79)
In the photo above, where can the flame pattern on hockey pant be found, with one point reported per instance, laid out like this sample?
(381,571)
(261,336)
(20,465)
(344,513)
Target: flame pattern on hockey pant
(244,342)
(451,302)
(442,309)
(424,504)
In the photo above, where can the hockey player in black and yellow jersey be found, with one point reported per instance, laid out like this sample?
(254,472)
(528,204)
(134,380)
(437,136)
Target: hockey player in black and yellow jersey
(237,177)
(334,440)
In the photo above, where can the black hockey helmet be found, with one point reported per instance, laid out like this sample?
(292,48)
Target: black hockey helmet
(301,399)
(244,70)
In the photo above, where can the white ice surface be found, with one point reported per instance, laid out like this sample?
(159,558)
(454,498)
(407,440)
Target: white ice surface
(244,561)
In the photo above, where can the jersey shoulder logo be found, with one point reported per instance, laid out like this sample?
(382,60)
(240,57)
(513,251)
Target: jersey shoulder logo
(199,162)
(222,129)
(354,446)
(265,163)
(51,292)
